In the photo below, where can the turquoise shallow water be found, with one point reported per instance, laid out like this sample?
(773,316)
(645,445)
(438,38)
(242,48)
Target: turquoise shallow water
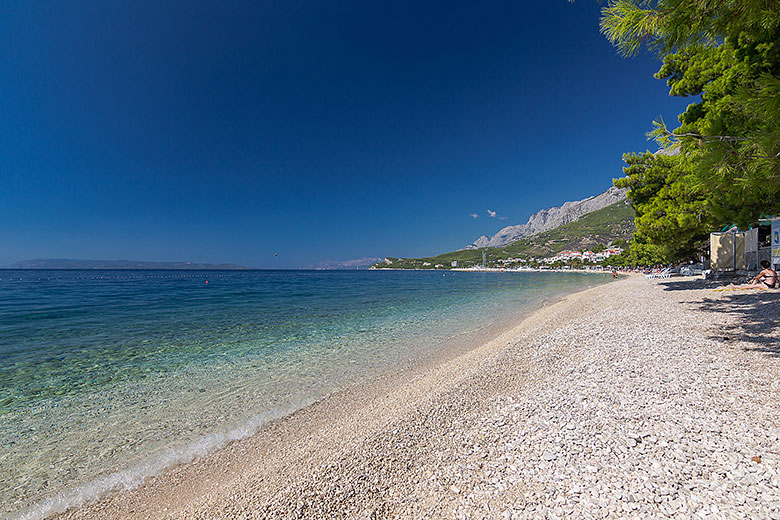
(107,377)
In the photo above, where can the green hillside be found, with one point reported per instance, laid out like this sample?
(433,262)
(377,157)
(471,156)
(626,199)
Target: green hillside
(601,227)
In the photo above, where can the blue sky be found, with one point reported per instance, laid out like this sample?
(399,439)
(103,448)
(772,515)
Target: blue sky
(230,131)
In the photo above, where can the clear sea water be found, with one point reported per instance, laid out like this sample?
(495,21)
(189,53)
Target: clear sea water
(107,377)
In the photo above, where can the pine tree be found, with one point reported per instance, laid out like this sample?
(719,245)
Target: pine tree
(727,52)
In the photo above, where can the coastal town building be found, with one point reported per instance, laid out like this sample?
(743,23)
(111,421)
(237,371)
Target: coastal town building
(568,256)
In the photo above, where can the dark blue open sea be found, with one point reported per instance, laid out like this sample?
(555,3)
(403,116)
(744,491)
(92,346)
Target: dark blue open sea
(107,377)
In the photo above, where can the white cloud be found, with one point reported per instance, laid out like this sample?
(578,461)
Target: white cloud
(474,215)
(492,214)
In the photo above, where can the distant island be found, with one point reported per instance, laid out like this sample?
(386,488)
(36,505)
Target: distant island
(67,263)
(356,263)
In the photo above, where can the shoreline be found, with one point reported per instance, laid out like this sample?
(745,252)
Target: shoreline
(498,270)
(242,418)
(410,444)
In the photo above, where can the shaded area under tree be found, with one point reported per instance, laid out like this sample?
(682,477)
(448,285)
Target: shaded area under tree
(756,313)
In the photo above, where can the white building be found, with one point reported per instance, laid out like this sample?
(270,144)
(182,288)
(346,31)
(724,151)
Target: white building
(568,256)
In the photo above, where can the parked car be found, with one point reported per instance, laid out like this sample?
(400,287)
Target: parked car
(692,270)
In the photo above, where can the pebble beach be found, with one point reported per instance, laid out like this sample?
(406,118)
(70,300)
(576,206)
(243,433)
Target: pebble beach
(636,399)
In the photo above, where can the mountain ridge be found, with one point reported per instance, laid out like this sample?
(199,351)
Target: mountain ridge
(551,218)
(598,228)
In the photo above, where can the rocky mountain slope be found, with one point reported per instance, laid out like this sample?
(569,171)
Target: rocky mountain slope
(598,228)
(551,218)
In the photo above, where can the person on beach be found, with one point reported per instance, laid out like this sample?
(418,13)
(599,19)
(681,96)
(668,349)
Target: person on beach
(766,279)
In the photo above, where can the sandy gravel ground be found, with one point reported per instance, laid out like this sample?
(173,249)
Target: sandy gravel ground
(638,399)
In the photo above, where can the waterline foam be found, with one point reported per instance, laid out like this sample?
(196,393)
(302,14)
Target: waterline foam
(132,478)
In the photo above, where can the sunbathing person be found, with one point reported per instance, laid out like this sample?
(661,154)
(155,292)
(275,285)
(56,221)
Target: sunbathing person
(766,279)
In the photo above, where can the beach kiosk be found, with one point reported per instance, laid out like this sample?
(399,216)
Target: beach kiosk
(732,250)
